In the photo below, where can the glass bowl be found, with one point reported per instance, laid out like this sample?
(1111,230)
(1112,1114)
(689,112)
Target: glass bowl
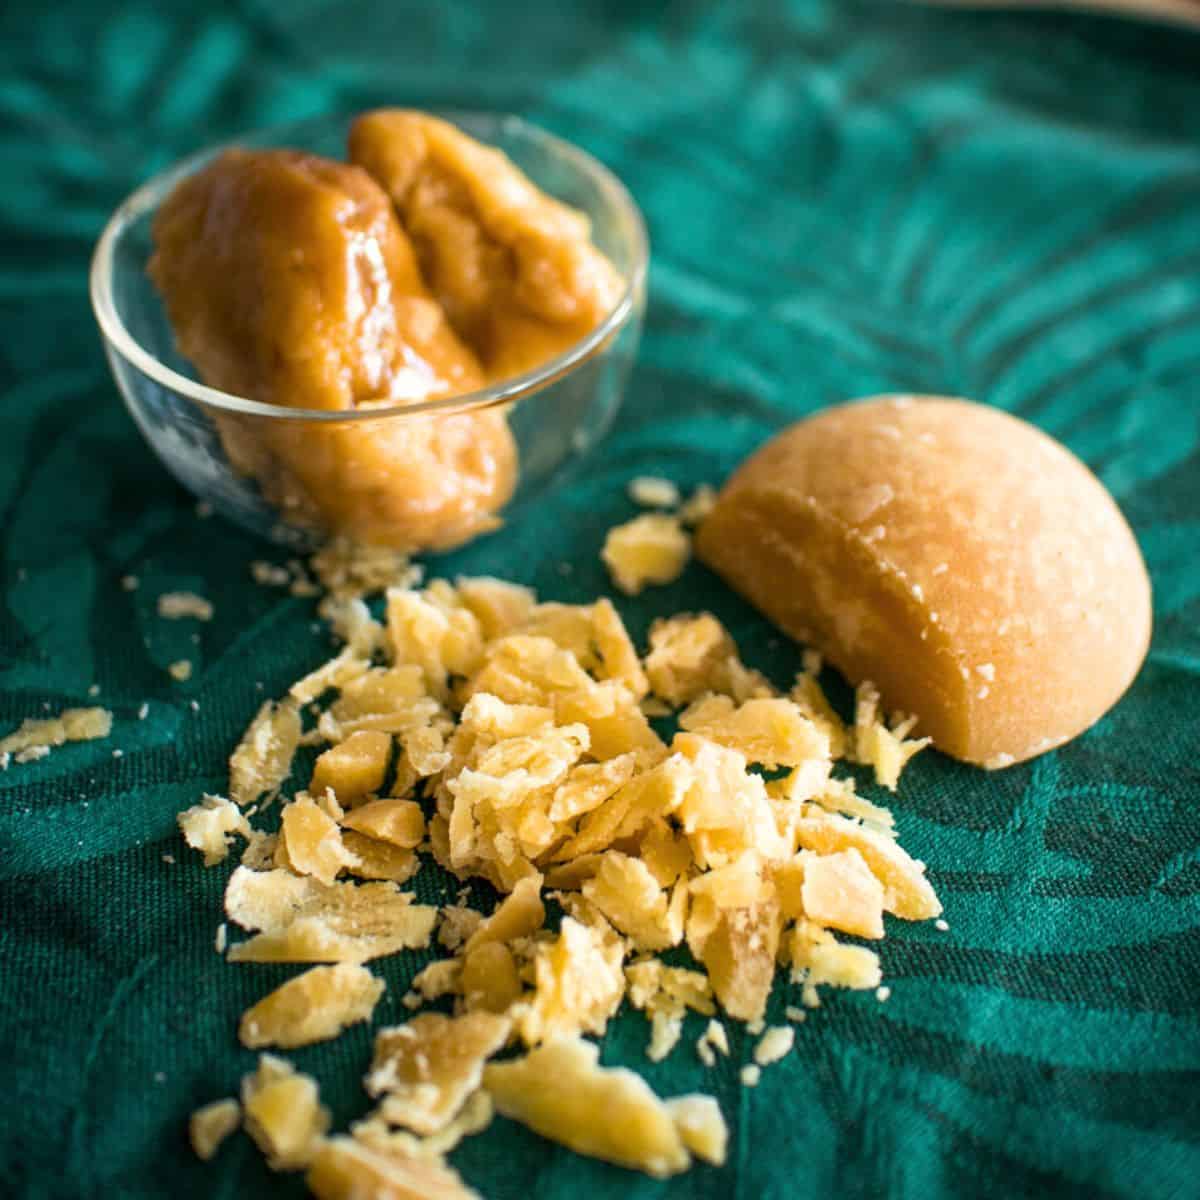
(557,412)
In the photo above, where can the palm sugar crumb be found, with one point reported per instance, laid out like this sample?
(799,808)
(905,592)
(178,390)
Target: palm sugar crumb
(886,749)
(175,605)
(310,842)
(41,734)
(180,670)
(751,1073)
(650,549)
(208,826)
(560,1091)
(425,1070)
(698,505)
(263,758)
(210,1125)
(650,491)
(312,1007)
(283,1114)
(840,892)
(776,1043)
(346,1169)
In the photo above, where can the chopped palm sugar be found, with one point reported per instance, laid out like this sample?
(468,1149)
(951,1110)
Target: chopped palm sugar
(650,549)
(263,758)
(474,1117)
(701,1126)
(208,826)
(176,605)
(310,842)
(378,860)
(313,1007)
(652,492)
(399,822)
(354,768)
(282,1112)
(776,1043)
(840,892)
(346,1169)
(209,1126)
(426,1069)
(40,734)
(302,920)
(876,745)
(180,670)
(560,1091)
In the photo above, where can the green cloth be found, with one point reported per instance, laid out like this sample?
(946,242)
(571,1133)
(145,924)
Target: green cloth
(844,198)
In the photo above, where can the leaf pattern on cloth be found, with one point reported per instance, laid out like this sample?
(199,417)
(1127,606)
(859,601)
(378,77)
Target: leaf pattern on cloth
(844,197)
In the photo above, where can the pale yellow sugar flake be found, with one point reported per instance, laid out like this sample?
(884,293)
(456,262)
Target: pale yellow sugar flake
(839,796)
(840,891)
(771,732)
(798,1015)
(310,842)
(180,670)
(738,884)
(340,670)
(344,1168)
(751,1073)
(490,978)
(698,505)
(443,639)
(808,695)
(351,622)
(474,1117)
(302,920)
(30,754)
(428,1068)
(588,785)
(378,860)
(738,951)
(263,758)
(174,606)
(717,1037)
(439,978)
(283,1114)
(578,984)
(312,1007)
(222,938)
(818,958)
(618,658)
(650,549)
(652,491)
(518,915)
(560,1091)
(887,750)
(268,574)
(701,1126)
(208,826)
(625,891)
(906,891)
(71,725)
(210,1125)
(664,994)
(687,656)
(776,1043)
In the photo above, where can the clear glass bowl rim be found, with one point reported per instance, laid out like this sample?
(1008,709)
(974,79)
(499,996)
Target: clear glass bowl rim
(151,193)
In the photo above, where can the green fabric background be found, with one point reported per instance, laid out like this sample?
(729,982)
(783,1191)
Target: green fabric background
(843,198)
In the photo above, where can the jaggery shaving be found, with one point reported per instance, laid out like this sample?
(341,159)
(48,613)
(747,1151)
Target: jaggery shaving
(210,1125)
(313,1007)
(282,1112)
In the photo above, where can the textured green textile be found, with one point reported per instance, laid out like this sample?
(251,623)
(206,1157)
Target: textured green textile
(844,198)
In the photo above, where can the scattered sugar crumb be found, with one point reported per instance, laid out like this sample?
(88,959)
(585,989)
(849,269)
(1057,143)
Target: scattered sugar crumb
(194,705)
(144,711)
(651,491)
(565,569)
(754,1028)
(776,1043)
(698,505)
(169,858)
(751,1074)
(882,993)
(795,1014)
(269,574)
(942,924)
(118,754)
(180,670)
(222,938)
(130,582)
(94,690)
(31,754)
(175,605)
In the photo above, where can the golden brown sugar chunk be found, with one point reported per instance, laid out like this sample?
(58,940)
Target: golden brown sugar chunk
(625,891)
(520,914)
(283,1114)
(288,279)
(906,891)
(739,955)
(209,825)
(313,1007)
(355,767)
(346,1169)
(310,842)
(840,892)
(302,920)
(560,1091)
(209,1126)
(650,550)
(490,979)
(499,606)
(399,822)
(427,1068)
(263,758)
(514,269)
(968,564)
